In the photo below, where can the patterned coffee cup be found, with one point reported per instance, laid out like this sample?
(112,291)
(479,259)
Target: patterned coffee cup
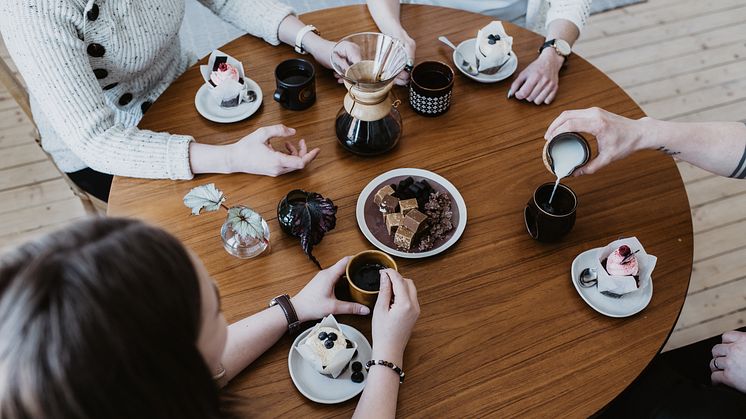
(430,88)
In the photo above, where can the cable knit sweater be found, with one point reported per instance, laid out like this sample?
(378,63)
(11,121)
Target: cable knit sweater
(93,67)
(539,13)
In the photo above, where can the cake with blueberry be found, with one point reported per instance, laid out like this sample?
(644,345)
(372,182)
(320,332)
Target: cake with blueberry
(327,348)
(493,48)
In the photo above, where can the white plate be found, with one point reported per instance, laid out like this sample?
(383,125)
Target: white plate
(324,389)
(466,49)
(624,306)
(419,173)
(207,107)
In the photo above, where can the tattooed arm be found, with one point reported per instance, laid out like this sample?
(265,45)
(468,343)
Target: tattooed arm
(718,147)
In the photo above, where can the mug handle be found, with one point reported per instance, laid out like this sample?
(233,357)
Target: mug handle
(280,95)
(530,219)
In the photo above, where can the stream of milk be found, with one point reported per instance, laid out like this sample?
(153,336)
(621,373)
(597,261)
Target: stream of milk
(566,154)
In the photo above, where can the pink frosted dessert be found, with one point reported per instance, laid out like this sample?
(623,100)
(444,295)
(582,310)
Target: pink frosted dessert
(622,262)
(224,72)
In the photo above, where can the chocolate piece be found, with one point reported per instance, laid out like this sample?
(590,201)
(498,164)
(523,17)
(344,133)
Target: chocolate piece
(382,193)
(407,205)
(389,204)
(393,221)
(415,221)
(403,238)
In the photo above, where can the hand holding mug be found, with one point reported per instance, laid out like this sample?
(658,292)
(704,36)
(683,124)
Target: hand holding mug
(394,316)
(317,300)
(254,153)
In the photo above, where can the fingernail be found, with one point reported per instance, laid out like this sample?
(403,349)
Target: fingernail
(364,310)
(510,93)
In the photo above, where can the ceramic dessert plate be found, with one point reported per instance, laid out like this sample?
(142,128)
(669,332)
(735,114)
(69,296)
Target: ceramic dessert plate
(624,306)
(372,225)
(466,49)
(324,389)
(212,111)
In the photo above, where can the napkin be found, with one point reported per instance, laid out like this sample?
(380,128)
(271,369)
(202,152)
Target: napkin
(493,47)
(228,93)
(621,285)
(335,366)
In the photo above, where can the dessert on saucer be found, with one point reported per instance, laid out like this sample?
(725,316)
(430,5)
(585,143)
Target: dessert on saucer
(493,48)
(624,267)
(622,262)
(327,348)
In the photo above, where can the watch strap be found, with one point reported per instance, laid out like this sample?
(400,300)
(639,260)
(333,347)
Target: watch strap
(299,38)
(547,44)
(287,307)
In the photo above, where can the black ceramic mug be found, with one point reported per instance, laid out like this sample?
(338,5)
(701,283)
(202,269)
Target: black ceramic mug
(430,88)
(296,84)
(548,223)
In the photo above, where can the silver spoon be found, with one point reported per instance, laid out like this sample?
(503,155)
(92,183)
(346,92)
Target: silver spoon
(588,278)
(466,65)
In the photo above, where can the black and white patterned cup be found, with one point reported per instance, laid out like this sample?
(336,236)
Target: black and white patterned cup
(431,88)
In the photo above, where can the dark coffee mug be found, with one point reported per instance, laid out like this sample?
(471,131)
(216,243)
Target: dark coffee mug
(550,223)
(430,88)
(296,84)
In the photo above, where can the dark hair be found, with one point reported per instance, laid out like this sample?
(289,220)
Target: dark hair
(101,320)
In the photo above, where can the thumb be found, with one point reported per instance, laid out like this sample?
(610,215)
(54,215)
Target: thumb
(384,293)
(344,307)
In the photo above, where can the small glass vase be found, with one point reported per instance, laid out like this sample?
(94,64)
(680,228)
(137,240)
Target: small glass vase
(244,248)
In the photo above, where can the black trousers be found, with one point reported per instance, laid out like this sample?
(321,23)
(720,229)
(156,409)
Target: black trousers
(95,183)
(677,385)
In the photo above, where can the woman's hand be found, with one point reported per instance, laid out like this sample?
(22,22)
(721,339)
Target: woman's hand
(730,357)
(539,82)
(254,153)
(394,316)
(317,299)
(617,136)
(345,55)
(402,79)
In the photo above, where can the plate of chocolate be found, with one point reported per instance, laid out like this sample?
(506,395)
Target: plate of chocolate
(411,213)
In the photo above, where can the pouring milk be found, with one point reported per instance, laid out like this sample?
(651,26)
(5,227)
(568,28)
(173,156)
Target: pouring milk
(567,154)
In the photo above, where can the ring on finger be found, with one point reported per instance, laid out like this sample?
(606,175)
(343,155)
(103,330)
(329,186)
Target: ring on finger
(715,364)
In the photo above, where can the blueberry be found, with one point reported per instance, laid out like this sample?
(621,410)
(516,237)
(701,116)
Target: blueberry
(357,377)
(322,336)
(332,336)
(357,366)
(328,344)
(349,344)
(491,42)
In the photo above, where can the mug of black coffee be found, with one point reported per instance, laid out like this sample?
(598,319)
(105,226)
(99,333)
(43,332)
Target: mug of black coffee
(364,277)
(550,222)
(430,88)
(296,84)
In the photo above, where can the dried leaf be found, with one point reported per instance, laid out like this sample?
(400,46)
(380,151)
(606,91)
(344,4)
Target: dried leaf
(246,223)
(206,197)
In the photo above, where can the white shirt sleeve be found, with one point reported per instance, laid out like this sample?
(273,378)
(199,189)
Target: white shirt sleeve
(260,18)
(576,11)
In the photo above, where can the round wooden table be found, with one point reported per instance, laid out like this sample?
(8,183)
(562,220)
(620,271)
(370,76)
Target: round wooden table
(502,331)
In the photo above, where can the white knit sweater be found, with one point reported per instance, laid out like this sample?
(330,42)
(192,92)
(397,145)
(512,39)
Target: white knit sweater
(94,66)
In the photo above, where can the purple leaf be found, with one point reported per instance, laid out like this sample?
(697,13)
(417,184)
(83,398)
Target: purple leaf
(309,220)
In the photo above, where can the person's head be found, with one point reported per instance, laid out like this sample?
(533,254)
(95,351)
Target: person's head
(109,318)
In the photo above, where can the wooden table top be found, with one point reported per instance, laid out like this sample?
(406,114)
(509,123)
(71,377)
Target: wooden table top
(502,331)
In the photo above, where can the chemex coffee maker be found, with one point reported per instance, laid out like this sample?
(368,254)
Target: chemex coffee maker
(369,124)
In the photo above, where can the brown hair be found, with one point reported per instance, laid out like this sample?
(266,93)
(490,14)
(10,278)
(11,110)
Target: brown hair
(101,320)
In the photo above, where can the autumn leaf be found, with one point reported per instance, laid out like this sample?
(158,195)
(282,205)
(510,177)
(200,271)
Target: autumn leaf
(206,197)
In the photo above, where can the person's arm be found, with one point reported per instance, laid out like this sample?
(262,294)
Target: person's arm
(718,147)
(251,337)
(391,328)
(386,14)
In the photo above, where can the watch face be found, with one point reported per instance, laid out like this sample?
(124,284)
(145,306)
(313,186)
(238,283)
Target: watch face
(562,47)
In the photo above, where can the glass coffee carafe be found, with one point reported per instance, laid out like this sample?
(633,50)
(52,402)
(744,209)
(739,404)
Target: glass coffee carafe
(368,123)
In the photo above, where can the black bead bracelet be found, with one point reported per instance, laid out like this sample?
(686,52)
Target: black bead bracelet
(388,364)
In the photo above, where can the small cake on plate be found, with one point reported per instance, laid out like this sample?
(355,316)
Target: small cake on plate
(327,348)
(622,262)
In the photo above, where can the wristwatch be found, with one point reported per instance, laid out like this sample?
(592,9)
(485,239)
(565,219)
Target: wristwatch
(299,38)
(561,46)
(287,307)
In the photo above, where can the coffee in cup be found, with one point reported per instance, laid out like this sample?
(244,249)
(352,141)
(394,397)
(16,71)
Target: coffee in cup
(364,277)
(296,84)
(548,222)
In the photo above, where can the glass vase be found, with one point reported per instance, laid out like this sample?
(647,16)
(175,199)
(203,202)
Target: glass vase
(244,247)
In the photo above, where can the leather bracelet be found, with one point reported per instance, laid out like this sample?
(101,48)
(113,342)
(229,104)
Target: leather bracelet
(287,307)
(388,364)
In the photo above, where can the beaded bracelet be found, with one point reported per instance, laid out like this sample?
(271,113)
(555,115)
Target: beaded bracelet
(386,364)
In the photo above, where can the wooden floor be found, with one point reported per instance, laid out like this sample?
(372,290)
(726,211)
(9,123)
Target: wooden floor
(681,60)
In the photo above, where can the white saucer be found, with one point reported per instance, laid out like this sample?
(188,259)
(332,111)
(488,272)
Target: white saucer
(324,389)
(371,188)
(207,107)
(624,306)
(466,49)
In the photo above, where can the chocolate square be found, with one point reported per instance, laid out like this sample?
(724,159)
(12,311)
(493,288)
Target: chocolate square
(407,205)
(415,221)
(382,193)
(393,221)
(389,204)
(403,238)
